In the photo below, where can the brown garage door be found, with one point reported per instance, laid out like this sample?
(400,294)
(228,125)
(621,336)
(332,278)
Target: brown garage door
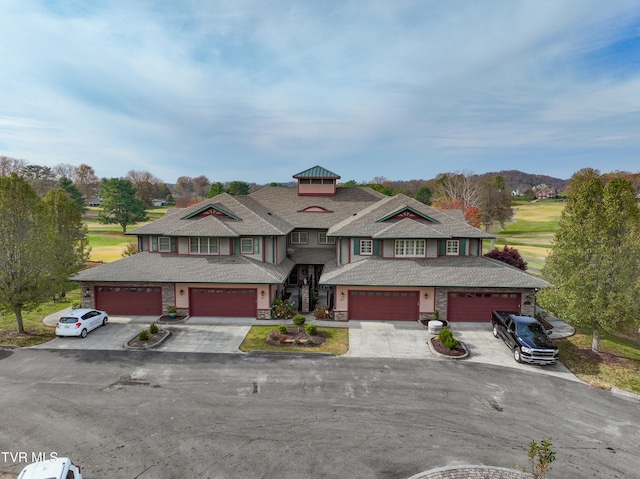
(384,305)
(140,300)
(230,302)
(478,306)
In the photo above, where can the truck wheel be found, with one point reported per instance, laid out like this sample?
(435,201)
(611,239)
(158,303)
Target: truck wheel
(517,355)
(495,330)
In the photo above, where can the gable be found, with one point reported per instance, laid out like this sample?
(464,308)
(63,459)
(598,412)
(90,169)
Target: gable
(211,210)
(406,212)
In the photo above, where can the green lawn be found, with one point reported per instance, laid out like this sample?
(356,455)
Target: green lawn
(37,331)
(107,241)
(337,341)
(532,230)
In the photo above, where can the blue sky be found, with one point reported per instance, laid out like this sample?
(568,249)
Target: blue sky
(259,90)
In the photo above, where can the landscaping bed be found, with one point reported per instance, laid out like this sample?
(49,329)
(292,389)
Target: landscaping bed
(296,337)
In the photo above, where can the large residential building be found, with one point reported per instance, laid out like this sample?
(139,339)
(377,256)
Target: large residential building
(374,257)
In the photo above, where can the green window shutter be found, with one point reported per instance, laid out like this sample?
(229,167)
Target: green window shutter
(356,246)
(154,243)
(256,245)
(463,247)
(376,247)
(236,245)
(443,247)
(174,247)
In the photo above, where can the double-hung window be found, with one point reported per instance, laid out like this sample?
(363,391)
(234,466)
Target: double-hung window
(246,245)
(410,248)
(366,247)
(323,239)
(164,244)
(203,245)
(299,237)
(453,247)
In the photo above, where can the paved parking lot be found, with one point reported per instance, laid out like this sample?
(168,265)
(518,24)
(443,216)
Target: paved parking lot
(367,339)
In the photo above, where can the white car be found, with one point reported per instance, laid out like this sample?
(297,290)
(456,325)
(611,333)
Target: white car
(80,321)
(58,468)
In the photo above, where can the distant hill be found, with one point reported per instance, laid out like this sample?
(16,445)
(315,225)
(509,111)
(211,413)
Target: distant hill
(517,179)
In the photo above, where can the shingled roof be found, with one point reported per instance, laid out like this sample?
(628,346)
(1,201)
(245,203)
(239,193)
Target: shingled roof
(172,268)
(449,271)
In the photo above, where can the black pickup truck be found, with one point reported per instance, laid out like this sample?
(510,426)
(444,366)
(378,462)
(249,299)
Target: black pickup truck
(525,336)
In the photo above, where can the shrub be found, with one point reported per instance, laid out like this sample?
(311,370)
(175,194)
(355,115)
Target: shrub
(153,329)
(298,320)
(282,309)
(311,329)
(282,329)
(144,335)
(450,342)
(444,334)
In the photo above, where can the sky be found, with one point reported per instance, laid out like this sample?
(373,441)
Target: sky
(258,91)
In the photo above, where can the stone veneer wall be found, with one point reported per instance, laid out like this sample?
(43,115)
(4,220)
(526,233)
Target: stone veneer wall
(340,316)
(264,314)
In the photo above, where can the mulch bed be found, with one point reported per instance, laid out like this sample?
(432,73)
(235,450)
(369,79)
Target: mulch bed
(166,319)
(459,350)
(296,337)
(154,338)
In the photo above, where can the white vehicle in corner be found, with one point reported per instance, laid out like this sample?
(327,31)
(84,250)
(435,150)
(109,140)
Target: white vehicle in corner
(58,468)
(80,321)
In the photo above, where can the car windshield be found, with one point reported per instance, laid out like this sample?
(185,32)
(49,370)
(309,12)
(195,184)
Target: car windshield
(530,330)
(68,319)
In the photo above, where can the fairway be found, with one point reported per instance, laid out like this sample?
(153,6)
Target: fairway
(532,230)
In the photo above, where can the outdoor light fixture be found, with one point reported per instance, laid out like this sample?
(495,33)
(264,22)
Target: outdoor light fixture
(262,293)
(342,296)
(426,295)
(87,293)
(181,292)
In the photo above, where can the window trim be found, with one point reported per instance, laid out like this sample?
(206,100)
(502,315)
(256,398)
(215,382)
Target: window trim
(403,251)
(368,251)
(327,239)
(162,239)
(299,235)
(449,247)
(248,250)
(212,244)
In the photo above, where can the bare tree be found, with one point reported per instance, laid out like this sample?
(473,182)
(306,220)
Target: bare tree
(184,187)
(201,186)
(144,183)
(464,186)
(87,181)
(65,170)
(11,165)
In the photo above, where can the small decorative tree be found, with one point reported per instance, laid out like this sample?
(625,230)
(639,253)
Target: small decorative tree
(508,255)
(541,456)
(298,320)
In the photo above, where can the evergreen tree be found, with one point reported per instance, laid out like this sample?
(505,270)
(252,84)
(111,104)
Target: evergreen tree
(215,189)
(596,284)
(74,193)
(238,188)
(424,195)
(120,205)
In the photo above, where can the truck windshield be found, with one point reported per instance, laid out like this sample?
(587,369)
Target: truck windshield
(530,330)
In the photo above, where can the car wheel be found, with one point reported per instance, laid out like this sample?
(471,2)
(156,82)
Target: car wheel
(104,321)
(83,333)
(495,331)
(517,355)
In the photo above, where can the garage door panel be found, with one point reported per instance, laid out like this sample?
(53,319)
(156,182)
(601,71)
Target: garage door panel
(477,306)
(383,305)
(129,300)
(223,302)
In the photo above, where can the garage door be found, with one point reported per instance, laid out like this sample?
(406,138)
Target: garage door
(478,306)
(138,300)
(384,305)
(223,302)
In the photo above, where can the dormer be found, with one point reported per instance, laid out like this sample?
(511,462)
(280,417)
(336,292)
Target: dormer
(316,181)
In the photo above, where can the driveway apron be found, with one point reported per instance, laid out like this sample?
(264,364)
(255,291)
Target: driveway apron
(388,339)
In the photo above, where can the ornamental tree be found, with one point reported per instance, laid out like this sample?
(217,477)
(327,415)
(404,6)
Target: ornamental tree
(508,255)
